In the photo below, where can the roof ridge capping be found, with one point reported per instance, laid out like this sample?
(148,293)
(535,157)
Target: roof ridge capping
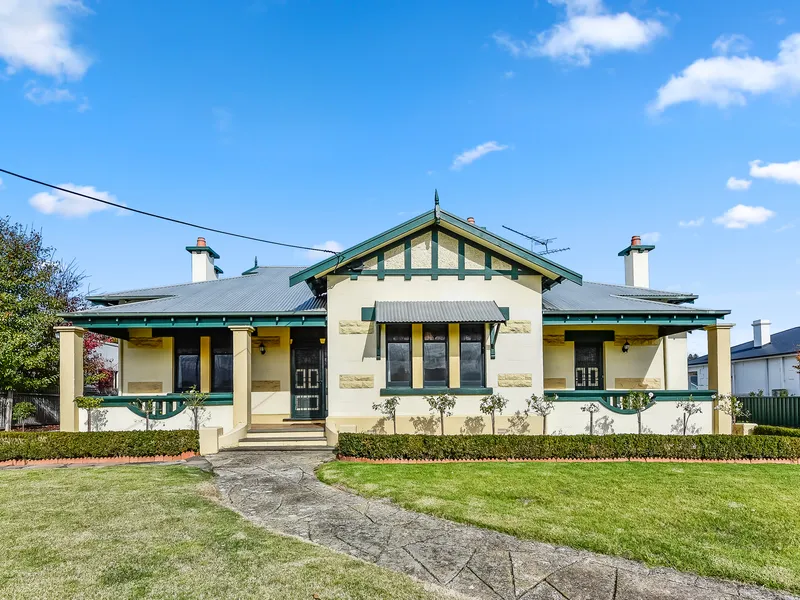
(433,217)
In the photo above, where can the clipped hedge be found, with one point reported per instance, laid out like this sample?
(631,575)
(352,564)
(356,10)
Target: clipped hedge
(100,444)
(775,430)
(476,447)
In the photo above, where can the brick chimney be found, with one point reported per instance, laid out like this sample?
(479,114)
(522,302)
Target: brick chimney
(637,266)
(203,268)
(761,335)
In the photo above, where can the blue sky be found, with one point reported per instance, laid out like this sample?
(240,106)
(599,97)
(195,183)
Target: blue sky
(324,123)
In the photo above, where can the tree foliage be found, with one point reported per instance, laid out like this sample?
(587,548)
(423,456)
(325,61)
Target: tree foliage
(22,411)
(388,408)
(443,404)
(495,403)
(34,288)
(542,406)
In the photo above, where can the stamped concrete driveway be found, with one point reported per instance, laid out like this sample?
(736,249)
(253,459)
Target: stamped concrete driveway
(280,491)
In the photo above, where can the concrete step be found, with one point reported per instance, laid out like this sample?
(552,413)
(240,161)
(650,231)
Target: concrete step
(286,432)
(265,441)
(262,448)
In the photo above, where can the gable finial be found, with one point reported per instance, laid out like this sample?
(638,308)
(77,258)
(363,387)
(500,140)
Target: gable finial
(255,262)
(436,210)
(436,197)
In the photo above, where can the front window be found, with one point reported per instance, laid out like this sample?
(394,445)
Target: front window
(398,355)
(472,360)
(222,362)
(187,362)
(434,356)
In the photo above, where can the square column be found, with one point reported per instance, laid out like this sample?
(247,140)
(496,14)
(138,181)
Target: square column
(719,370)
(70,379)
(242,381)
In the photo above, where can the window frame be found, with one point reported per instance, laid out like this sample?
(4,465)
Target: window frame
(446,342)
(388,334)
(178,341)
(482,328)
(228,343)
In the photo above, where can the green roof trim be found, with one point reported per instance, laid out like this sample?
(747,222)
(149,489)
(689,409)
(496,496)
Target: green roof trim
(122,321)
(202,249)
(217,270)
(637,248)
(435,216)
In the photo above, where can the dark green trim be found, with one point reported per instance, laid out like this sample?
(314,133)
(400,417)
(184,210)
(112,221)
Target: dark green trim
(217,270)
(401,391)
(602,396)
(462,259)
(202,249)
(639,248)
(368,313)
(589,336)
(381,266)
(651,318)
(407,258)
(505,311)
(193,321)
(419,222)
(177,402)
(495,329)
(435,254)
(378,343)
(435,273)
(487,263)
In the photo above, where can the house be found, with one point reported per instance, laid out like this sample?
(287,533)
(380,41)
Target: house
(436,304)
(766,364)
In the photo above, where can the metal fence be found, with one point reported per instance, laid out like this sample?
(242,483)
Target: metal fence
(47,408)
(772,410)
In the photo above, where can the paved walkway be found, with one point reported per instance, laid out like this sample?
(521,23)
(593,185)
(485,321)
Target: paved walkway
(280,491)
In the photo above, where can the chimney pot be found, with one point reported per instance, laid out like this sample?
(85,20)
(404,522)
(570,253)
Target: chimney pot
(636,240)
(201,242)
(471,220)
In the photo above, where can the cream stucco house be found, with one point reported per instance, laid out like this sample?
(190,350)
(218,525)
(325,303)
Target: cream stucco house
(435,304)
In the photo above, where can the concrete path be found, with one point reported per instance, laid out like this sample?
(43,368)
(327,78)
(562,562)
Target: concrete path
(280,491)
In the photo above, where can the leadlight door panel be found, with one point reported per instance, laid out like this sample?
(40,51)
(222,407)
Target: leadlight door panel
(308,383)
(588,366)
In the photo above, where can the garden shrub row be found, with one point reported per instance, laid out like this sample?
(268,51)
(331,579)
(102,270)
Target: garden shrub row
(464,447)
(775,430)
(101,444)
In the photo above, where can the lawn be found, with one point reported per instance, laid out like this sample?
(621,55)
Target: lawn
(157,532)
(733,521)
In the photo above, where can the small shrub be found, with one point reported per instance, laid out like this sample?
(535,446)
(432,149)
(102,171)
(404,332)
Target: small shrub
(388,408)
(443,404)
(90,404)
(690,407)
(542,406)
(591,408)
(98,444)
(194,401)
(638,401)
(775,430)
(22,411)
(492,404)
(731,406)
(625,446)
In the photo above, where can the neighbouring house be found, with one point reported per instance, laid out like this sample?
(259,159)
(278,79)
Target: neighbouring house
(436,304)
(766,364)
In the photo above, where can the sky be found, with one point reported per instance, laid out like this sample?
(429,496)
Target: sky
(324,123)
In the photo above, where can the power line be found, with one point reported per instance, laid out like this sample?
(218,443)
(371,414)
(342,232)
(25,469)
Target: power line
(162,217)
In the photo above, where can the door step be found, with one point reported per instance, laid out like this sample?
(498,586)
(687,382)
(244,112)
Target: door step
(260,442)
(279,449)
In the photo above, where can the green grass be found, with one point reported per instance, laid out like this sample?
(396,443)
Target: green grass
(157,532)
(739,522)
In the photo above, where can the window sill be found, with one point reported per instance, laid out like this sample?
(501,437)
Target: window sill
(470,391)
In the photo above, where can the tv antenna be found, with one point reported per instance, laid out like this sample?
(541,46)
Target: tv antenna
(538,241)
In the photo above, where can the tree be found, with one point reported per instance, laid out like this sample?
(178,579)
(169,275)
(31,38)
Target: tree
(731,406)
(443,404)
(90,404)
(495,403)
(591,408)
(34,289)
(22,411)
(148,407)
(195,400)
(96,370)
(690,407)
(637,401)
(542,406)
(388,408)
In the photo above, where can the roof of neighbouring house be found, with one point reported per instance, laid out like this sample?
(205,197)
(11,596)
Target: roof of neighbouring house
(783,342)
(605,297)
(265,290)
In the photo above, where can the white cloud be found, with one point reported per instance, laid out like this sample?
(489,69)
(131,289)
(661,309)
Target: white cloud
(44,95)
(738,185)
(785,227)
(692,222)
(651,237)
(589,29)
(727,80)
(35,35)
(509,74)
(473,154)
(788,172)
(69,205)
(734,43)
(742,216)
(329,245)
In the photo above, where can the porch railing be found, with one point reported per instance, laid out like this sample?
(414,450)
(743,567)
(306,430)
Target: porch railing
(162,406)
(783,411)
(613,399)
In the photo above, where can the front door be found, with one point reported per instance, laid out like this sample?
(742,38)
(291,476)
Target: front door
(588,366)
(308,380)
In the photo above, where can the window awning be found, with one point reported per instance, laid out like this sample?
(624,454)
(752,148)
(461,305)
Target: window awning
(443,311)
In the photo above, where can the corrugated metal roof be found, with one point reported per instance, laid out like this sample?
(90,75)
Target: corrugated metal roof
(783,342)
(568,297)
(265,291)
(456,311)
